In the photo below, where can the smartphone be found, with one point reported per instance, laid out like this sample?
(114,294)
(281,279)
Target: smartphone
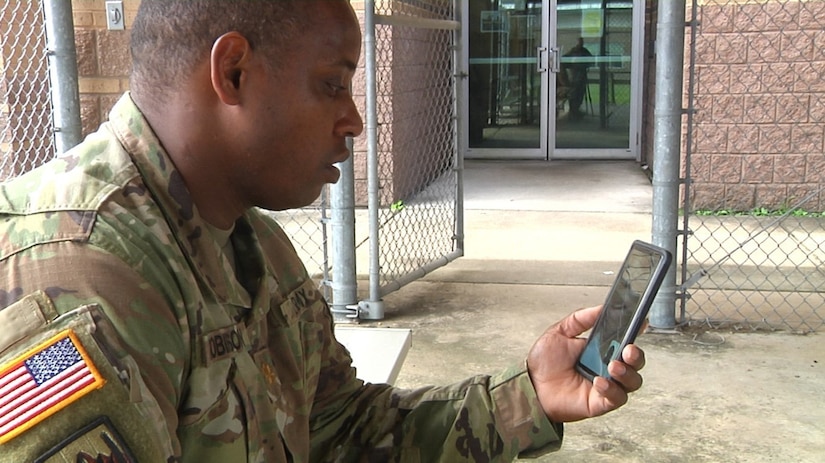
(625,308)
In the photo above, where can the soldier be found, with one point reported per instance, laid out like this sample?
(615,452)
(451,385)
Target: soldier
(153,314)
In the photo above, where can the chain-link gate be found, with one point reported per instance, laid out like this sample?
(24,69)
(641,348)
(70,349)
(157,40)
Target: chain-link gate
(415,140)
(754,197)
(25,107)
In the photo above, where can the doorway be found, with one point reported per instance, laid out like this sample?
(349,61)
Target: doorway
(553,79)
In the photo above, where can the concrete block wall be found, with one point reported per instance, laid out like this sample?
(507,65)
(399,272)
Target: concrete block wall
(759,137)
(103,60)
(413,123)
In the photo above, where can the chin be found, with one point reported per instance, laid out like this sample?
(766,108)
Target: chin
(293,202)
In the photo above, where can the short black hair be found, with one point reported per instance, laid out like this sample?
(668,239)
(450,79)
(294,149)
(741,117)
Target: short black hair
(170,37)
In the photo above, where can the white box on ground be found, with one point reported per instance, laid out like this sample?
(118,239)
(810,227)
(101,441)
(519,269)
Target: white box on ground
(377,353)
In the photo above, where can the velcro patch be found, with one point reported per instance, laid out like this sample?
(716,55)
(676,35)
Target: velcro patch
(42,381)
(99,441)
(222,343)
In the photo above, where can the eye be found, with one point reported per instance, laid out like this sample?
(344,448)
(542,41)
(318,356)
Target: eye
(336,87)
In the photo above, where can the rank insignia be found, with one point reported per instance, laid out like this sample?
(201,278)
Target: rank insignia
(42,381)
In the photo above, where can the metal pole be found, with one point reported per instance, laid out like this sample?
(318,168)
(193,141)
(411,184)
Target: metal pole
(62,55)
(460,76)
(372,309)
(342,222)
(670,40)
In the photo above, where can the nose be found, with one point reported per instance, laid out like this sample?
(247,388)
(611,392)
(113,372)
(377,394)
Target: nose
(351,124)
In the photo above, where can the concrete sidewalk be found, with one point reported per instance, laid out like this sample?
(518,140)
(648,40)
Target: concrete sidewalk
(540,241)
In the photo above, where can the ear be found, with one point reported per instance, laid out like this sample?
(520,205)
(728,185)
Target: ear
(229,61)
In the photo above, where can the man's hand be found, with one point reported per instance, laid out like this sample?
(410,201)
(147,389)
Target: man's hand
(564,394)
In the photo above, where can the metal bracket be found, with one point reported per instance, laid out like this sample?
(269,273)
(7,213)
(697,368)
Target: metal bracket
(114,16)
(363,310)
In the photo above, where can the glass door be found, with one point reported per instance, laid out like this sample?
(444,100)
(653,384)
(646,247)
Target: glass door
(507,103)
(552,79)
(595,106)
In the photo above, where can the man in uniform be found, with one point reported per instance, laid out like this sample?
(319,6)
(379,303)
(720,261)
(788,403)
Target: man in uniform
(153,314)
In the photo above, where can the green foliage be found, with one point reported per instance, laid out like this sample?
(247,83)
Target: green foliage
(756,212)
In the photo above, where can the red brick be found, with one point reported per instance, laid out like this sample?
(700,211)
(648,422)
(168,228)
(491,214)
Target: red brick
(114,46)
(758,169)
(789,169)
(746,79)
(779,78)
(84,40)
(707,196)
(89,114)
(726,168)
(728,109)
(713,79)
(711,138)
(817,108)
(715,18)
(764,47)
(739,197)
(760,108)
(774,139)
(743,139)
(772,197)
(815,168)
(792,108)
(797,46)
(807,138)
(812,15)
(731,48)
(811,77)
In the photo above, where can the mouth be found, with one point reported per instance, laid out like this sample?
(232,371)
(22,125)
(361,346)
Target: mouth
(343,156)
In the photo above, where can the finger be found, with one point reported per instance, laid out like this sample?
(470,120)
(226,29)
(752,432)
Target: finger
(609,396)
(633,356)
(629,378)
(579,321)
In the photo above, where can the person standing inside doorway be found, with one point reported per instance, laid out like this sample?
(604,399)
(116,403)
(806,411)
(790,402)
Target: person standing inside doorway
(574,69)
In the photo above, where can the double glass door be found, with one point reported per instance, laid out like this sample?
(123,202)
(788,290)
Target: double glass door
(553,79)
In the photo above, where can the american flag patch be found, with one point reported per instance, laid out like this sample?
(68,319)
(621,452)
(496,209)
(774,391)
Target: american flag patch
(42,381)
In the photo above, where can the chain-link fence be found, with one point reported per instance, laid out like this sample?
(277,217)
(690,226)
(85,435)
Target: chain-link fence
(755,165)
(307,230)
(25,107)
(416,138)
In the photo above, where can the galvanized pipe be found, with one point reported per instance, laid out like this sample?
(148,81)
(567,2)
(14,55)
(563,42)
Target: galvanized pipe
(670,39)
(62,57)
(373,182)
(343,282)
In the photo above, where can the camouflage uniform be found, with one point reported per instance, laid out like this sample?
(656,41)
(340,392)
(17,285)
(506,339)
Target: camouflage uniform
(200,360)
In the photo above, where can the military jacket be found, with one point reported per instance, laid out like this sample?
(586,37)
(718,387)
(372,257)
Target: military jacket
(127,334)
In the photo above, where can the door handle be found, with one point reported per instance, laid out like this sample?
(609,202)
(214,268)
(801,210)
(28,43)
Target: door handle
(541,53)
(556,63)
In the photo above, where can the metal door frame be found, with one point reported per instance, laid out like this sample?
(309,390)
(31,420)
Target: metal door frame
(548,62)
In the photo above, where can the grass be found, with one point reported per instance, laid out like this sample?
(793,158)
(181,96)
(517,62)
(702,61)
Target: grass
(756,212)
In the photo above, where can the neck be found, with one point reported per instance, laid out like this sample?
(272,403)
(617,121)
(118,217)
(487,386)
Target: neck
(195,147)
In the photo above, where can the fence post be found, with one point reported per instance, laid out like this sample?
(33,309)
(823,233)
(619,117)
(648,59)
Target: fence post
(62,74)
(373,308)
(670,43)
(344,281)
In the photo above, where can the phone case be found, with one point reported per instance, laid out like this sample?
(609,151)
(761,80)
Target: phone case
(625,308)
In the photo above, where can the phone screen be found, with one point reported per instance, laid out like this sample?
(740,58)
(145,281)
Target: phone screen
(625,308)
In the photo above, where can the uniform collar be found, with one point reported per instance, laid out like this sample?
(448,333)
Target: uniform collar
(166,185)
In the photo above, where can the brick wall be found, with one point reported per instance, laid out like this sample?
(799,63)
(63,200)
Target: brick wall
(103,61)
(760,105)
(414,125)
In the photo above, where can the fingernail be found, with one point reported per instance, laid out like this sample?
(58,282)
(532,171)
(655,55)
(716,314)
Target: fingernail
(619,369)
